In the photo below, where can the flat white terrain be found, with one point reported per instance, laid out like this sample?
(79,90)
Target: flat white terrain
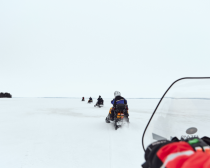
(65,132)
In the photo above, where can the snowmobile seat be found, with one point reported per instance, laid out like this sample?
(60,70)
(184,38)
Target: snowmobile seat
(121,107)
(101,102)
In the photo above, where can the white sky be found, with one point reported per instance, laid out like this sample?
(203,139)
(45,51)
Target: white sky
(91,47)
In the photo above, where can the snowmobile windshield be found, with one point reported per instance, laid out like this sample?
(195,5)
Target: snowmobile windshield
(183,111)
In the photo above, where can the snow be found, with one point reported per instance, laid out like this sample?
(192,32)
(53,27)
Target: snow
(65,132)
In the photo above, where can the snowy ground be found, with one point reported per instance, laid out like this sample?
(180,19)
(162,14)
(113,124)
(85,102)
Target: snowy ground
(64,133)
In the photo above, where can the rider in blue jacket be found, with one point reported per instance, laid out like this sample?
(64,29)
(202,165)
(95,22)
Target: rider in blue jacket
(117,100)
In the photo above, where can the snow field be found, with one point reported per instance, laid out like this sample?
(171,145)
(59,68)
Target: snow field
(64,132)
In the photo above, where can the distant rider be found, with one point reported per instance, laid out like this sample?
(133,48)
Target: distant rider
(117,100)
(100,101)
(83,99)
(90,100)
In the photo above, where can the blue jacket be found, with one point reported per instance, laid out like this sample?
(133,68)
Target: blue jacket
(118,100)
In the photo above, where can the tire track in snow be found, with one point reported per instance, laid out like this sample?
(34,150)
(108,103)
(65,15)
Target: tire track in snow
(119,141)
(110,147)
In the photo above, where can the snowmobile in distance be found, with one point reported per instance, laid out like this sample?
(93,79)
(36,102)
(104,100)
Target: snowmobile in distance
(99,103)
(83,99)
(119,115)
(90,100)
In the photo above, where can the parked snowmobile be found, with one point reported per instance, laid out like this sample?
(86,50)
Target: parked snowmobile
(119,115)
(182,114)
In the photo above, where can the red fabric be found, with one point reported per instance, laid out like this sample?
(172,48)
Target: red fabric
(207,164)
(173,148)
(198,160)
(178,162)
(174,155)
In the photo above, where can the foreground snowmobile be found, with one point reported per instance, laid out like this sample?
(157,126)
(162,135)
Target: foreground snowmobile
(182,116)
(119,115)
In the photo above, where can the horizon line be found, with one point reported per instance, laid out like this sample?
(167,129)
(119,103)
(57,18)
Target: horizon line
(80,98)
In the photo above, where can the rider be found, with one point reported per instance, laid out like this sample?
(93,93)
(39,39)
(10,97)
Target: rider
(117,100)
(90,99)
(83,99)
(100,100)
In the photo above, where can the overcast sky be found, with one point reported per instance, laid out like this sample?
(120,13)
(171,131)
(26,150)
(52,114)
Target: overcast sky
(68,48)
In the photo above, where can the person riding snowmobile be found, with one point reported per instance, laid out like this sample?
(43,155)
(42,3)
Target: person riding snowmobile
(100,101)
(90,100)
(117,100)
(83,99)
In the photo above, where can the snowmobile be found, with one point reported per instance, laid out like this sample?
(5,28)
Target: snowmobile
(83,99)
(119,115)
(90,101)
(182,112)
(99,104)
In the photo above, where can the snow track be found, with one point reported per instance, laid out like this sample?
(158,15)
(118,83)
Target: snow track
(59,132)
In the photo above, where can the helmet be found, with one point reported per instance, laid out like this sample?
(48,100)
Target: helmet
(117,93)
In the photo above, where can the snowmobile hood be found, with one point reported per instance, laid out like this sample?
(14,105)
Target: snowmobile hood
(183,111)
